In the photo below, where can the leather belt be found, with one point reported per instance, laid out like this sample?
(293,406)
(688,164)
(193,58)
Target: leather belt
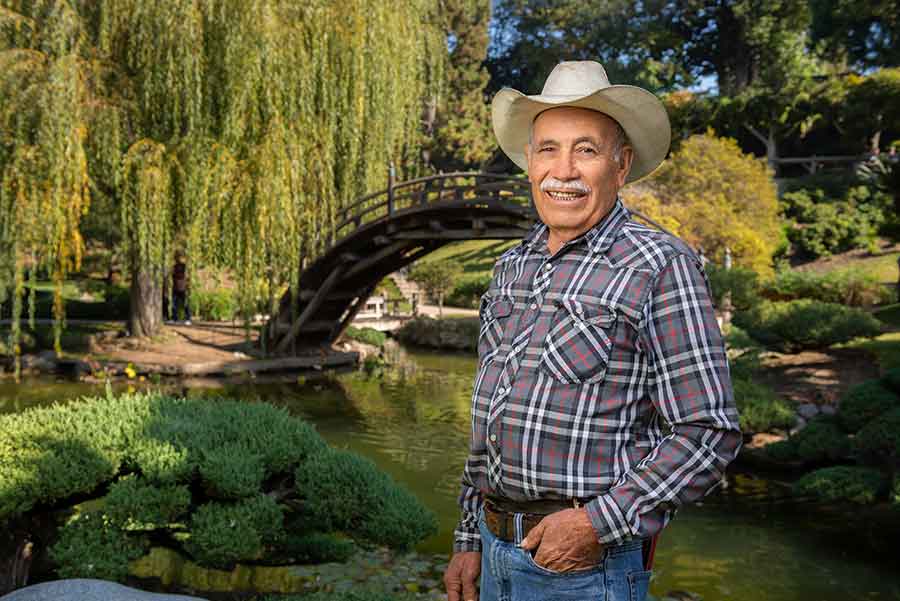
(500,514)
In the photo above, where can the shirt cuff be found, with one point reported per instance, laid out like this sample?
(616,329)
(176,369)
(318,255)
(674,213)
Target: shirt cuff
(466,541)
(608,520)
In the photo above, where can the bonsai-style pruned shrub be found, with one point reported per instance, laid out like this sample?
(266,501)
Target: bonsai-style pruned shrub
(891,379)
(864,402)
(225,481)
(879,440)
(819,442)
(366,336)
(759,408)
(842,483)
(805,324)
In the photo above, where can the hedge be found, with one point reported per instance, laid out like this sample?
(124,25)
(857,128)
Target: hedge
(846,287)
(224,480)
(819,442)
(880,438)
(805,324)
(366,336)
(842,483)
(864,402)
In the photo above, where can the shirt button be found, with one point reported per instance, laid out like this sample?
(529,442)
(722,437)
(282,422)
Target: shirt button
(548,267)
(501,392)
(534,306)
(493,438)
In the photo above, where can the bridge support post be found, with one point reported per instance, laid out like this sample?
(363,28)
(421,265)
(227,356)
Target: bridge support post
(390,190)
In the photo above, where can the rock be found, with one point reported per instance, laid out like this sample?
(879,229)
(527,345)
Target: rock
(45,361)
(798,425)
(828,409)
(87,589)
(808,410)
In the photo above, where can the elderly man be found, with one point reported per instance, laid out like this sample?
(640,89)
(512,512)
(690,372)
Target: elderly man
(602,401)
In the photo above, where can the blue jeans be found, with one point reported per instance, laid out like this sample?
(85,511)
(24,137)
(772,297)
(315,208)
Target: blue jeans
(509,573)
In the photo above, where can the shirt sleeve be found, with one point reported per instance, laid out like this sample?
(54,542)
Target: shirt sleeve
(466,536)
(690,387)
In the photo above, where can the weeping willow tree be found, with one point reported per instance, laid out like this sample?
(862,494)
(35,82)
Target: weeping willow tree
(230,128)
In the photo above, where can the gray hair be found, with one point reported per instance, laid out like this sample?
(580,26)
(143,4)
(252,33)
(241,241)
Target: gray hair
(619,142)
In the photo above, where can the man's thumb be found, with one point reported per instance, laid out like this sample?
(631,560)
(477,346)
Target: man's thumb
(533,540)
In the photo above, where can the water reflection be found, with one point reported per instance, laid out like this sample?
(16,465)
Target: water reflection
(747,542)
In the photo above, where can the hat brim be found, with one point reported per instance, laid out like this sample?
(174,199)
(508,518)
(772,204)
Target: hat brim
(639,112)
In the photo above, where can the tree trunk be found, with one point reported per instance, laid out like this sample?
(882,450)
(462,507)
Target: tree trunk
(145,313)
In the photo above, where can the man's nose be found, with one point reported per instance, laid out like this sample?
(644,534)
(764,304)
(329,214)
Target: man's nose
(564,168)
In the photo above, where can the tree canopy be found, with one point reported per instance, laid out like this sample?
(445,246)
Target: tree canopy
(230,128)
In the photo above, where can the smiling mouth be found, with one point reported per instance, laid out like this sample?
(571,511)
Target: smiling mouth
(568,195)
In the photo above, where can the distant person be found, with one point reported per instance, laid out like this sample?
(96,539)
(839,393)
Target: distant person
(602,402)
(180,289)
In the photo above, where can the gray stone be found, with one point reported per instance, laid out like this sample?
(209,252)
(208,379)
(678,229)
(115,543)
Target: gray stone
(799,424)
(87,589)
(828,409)
(808,410)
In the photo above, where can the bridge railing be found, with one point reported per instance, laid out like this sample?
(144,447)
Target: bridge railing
(472,187)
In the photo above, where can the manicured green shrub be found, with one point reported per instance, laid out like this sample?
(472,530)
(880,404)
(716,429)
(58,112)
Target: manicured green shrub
(891,380)
(846,287)
(375,507)
(454,334)
(316,547)
(224,533)
(135,504)
(174,468)
(468,292)
(90,546)
(864,402)
(742,283)
(366,336)
(805,324)
(880,438)
(759,408)
(842,483)
(821,441)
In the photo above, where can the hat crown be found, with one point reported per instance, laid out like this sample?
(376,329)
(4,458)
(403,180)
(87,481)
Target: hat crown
(575,78)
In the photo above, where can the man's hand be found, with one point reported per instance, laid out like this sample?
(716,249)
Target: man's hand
(461,576)
(565,541)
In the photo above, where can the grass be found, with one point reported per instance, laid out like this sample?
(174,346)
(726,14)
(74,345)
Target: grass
(883,266)
(886,349)
(476,256)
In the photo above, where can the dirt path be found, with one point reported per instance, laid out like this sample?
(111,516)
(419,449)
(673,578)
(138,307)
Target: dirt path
(817,377)
(196,343)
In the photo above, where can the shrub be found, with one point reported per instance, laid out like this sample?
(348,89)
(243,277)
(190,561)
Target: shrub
(819,442)
(760,410)
(468,292)
(805,324)
(151,451)
(847,287)
(216,305)
(842,483)
(366,336)
(891,380)
(743,284)
(880,438)
(864,402)
(455,334)
(316,547)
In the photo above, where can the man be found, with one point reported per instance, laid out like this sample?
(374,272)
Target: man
(602,401)
(180,289)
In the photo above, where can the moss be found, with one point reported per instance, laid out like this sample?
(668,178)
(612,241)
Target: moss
(842,483)
(864,402)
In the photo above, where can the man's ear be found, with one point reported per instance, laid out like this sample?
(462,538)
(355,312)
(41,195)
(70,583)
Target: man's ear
(625,165)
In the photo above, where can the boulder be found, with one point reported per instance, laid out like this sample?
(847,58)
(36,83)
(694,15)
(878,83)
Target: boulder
(87,589)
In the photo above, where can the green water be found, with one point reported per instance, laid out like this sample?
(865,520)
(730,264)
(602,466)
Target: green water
(745,543)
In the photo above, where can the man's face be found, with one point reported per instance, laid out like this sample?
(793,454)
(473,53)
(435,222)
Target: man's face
(574,176)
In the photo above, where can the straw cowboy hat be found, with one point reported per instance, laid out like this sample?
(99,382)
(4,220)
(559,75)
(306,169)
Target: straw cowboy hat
(585,84)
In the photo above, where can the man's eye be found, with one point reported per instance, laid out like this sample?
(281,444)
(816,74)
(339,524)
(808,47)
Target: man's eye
(545,149)
(587,150)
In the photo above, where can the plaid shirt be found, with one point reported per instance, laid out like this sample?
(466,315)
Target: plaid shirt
(602,374)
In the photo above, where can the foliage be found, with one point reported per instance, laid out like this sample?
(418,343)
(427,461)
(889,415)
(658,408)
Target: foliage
(880,438)
(454,334)
(366,336)
(436,277)
(864,403)
(842,483)
(468,292)
(847,287)
(89,546)
(759,408)
(720,197)
(819,442)
(741,283)
(873,109)
(316,547)
(216,305)
(192,123)
(863,32)
(805,324)
(831,225)
(213,476)
(372,510)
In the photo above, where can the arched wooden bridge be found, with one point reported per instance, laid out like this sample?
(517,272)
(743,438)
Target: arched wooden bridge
(382,232)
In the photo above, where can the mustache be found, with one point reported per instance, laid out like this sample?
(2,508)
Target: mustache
(576,185)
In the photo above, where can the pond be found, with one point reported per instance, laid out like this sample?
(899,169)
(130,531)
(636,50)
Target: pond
(744,543)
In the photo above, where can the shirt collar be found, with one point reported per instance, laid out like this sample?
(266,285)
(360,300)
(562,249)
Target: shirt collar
(598,239)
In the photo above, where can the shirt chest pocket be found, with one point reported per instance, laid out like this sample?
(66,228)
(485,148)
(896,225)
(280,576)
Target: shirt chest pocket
(493,312)
(579,342)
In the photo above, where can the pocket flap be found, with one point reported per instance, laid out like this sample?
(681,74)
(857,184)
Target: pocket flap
(598,315)
(492,308)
